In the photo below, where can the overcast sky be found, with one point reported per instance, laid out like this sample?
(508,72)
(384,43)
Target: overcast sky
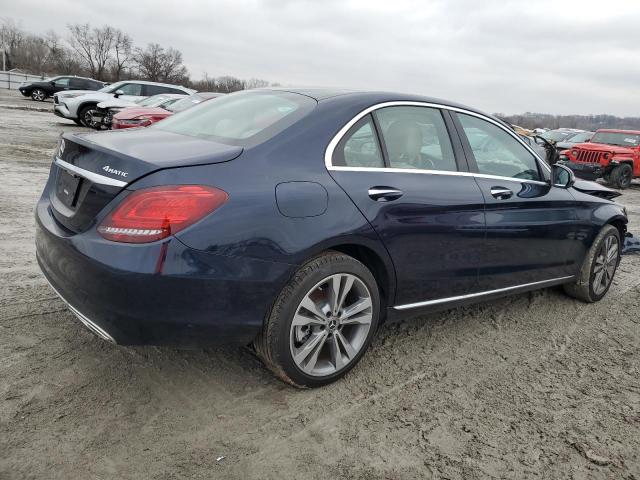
(507,56)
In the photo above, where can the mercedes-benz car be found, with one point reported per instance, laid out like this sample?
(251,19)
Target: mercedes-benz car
(298,221)
(80,105)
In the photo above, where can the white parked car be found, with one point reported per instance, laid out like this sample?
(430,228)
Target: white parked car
(105,111)
(80,105)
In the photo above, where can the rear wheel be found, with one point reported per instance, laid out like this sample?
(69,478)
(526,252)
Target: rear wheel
(598,268)
(322,322)
(38,95)
(86,116)
(621,176)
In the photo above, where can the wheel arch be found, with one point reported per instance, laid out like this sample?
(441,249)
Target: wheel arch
(378,262)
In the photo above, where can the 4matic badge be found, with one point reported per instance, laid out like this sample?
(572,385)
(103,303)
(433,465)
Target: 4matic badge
(108,169)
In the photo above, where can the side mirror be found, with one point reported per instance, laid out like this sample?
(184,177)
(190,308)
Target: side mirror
(562,176)
(118,93)
(52,83)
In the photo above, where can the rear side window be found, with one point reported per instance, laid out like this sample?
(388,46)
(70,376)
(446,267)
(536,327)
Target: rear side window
(496,152)
(416,138)
(78,83)
(359,147)
(243,118)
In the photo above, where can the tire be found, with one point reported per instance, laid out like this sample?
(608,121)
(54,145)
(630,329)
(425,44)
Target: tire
(38,95)
(318,349)
(84,115)
(621,176)
(587,287)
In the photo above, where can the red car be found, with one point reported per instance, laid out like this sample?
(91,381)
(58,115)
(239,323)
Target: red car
(145,116)
(613,155)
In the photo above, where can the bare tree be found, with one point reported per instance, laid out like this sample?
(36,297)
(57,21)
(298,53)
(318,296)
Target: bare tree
(123,50)
(93,45)
(160,65)
(229,84)
(256,83)
(11,37)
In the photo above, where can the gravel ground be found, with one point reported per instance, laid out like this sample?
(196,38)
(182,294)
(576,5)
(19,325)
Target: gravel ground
(532,386)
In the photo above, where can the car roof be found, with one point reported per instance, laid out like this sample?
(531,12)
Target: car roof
(615,130)
(209,94)
(375,97)
(145,82)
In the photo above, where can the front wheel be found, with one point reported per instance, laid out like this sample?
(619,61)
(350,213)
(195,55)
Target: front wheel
(621,176)
(322,322)
(38,95)
(86,116)
(599,267)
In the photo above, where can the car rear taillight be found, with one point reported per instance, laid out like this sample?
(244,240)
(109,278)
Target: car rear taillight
(155,213)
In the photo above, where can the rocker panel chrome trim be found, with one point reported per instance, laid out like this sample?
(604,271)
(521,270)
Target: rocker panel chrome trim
(438,301)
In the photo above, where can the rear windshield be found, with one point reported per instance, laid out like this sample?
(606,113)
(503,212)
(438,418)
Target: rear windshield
(617,138)
(243,118)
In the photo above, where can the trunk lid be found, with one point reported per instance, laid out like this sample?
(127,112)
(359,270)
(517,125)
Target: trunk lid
(91,169)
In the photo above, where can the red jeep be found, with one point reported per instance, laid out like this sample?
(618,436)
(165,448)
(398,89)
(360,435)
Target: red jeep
(611,154)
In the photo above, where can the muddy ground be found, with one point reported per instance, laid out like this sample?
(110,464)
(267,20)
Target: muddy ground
(532,386)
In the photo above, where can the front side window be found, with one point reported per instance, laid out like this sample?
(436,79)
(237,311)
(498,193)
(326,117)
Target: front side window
(359,147)
(244,118)
(416,138)
(131,89)
(496,152)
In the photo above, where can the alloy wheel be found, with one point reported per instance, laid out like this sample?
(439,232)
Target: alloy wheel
(38,95)
(87,119)
(605,265)
(331,325)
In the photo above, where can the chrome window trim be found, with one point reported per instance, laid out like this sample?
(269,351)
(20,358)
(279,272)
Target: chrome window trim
(328,155)
(94,177)
(438,301)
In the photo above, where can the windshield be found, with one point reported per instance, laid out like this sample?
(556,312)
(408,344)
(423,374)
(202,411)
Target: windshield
(243,118)
(556,135)
(620,139)
(154,101)
(185,103)
(580,137)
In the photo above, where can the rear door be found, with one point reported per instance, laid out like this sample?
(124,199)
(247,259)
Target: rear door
(531,226)
(131,92)
(401,168)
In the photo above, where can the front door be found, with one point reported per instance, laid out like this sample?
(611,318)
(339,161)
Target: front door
(531,225)
(402,170)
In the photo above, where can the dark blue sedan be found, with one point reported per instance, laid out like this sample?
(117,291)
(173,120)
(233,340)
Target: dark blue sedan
(298,221)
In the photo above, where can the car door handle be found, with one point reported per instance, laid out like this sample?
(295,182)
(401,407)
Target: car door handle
(501,193)
(384,194)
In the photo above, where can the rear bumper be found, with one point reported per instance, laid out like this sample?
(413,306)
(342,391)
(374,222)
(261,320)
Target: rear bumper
(158,293)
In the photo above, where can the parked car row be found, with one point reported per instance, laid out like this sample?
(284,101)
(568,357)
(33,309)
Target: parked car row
(80,105)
